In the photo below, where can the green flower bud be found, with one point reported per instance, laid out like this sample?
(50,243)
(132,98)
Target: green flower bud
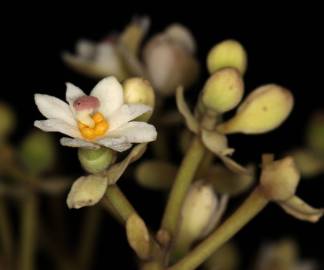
(263,110)
(198,211)
(38,152)
(95,161)
(279,179)
(223,91)
(315,133)
(228,53)
(7,122)
(87,191)
(138,90)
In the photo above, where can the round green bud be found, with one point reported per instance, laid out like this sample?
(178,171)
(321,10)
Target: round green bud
(38,152)
(228,53)
(96,160)
(223,90)
(315,133)
(7,122)
(139,91)
(279,179)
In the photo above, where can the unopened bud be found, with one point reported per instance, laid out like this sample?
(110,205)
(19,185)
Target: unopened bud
(198,211)
(228,53)
(96,160)
(138,90)
(86,191)
(279,179)
(138,236)
(263,110)
(38,152)
(223,91)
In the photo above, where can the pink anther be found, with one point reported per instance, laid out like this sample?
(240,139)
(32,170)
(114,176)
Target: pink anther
(86,103)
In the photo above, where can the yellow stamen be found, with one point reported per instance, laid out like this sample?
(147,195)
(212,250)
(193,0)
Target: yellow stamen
(100,128)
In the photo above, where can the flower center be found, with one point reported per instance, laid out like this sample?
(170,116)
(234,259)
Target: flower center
(99,129)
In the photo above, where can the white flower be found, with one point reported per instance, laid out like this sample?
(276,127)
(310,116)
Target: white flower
(101,119)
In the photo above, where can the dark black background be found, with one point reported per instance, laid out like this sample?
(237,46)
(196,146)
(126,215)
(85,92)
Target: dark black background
(284,46)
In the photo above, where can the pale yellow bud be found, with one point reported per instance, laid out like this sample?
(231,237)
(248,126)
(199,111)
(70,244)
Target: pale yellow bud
(86,191)
(223,91)
(228,53)
(198,211)
(263,110)
(139,91)
(279,179)
(138,236)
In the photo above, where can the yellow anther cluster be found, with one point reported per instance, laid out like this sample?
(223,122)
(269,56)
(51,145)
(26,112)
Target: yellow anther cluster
(100,128)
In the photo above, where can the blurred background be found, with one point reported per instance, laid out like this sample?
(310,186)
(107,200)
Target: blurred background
(284,46)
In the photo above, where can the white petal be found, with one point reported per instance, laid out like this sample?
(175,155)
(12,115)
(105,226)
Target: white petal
(118,144)
(126,113)
(136,132)
(72,93)
(78,143)
(54,108)
(56,125)
(110,94)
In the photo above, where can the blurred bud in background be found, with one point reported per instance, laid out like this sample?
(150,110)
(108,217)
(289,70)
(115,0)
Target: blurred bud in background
(225,258)
(228,53)
(315,133)
(8,121)
(308,162)
(282,255)
(38,152)
(138,90)
(96,160)
(170,61)
(263,110)
(115,55)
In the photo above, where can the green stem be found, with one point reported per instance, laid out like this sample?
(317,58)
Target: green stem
(247,211)
(181,185)
(28,231)
(119,202)
(6,232)
(88,237)
(106,204)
